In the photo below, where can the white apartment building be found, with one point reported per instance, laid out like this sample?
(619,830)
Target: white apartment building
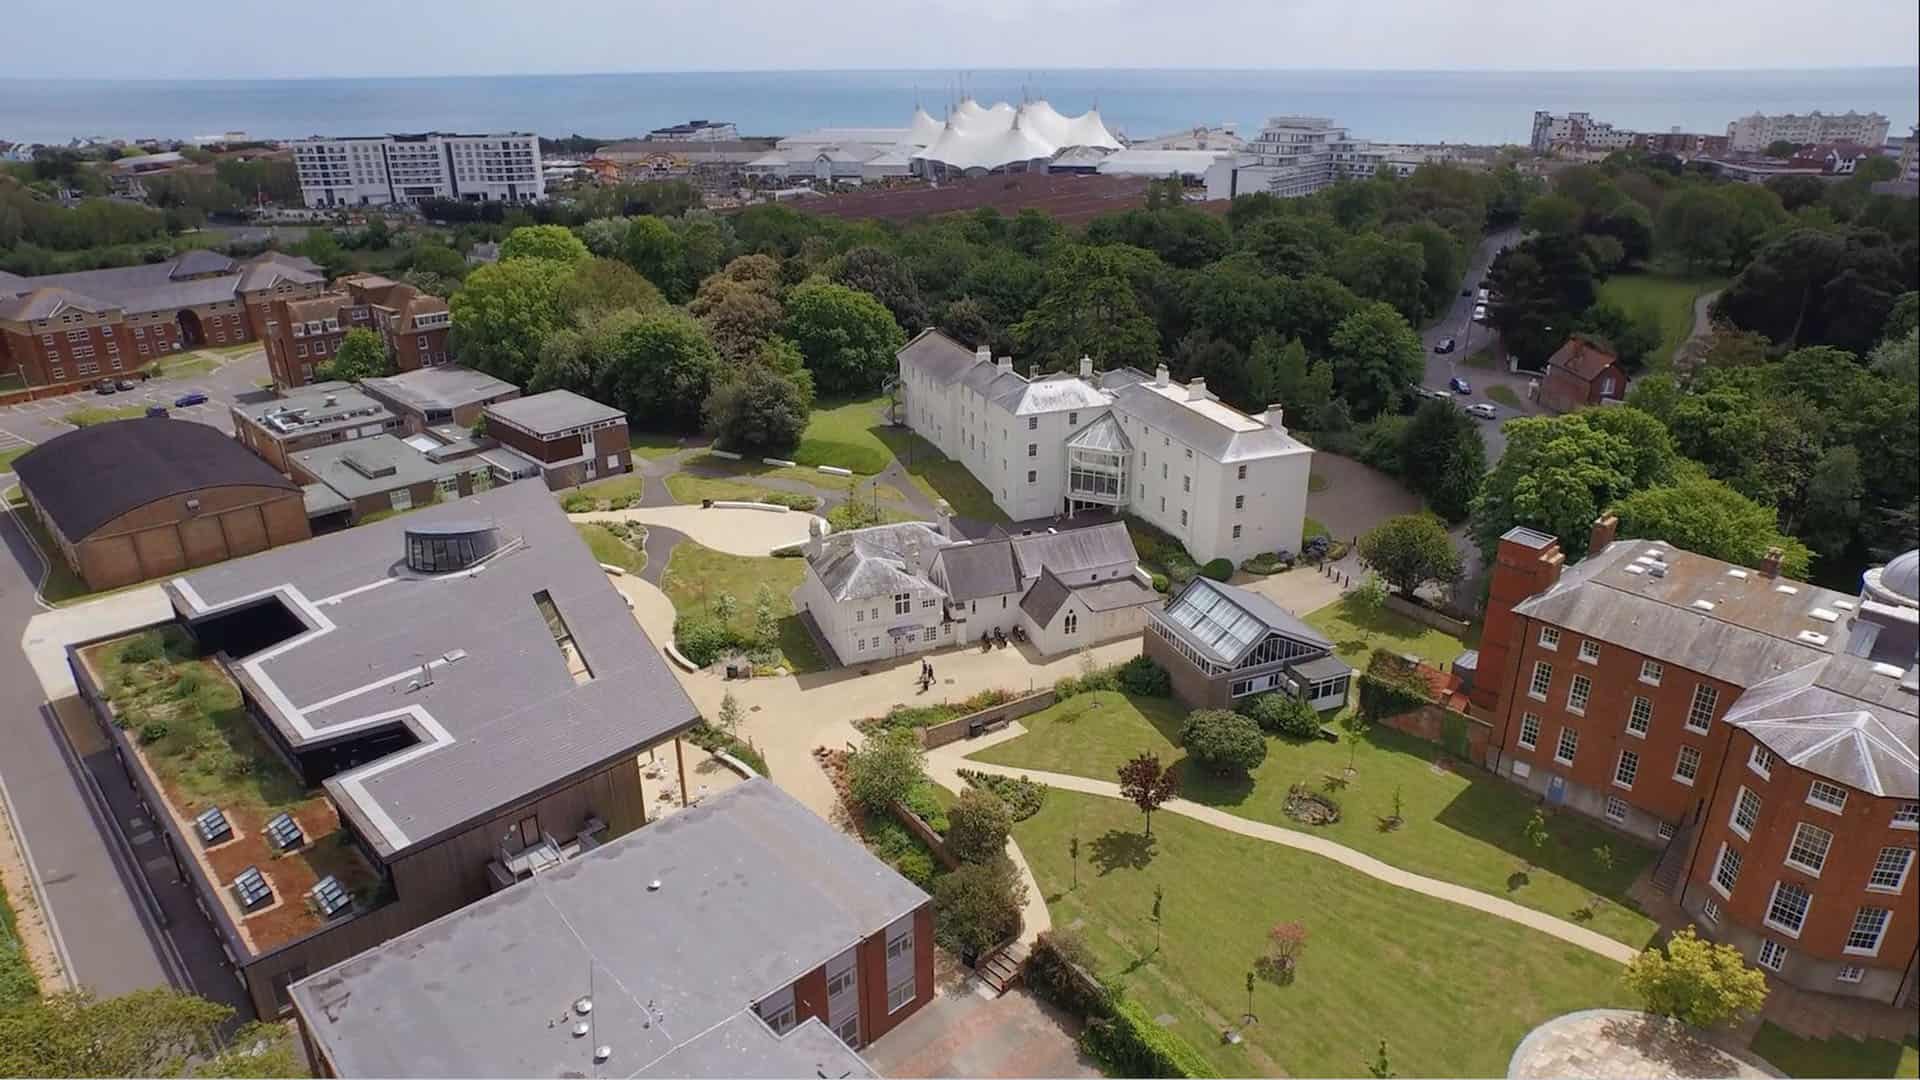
(1299,155)
(1757,132)
(1225,484)
(1576,129)
(380,170)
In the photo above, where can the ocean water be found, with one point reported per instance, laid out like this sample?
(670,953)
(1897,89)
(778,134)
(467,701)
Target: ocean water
(1424,106)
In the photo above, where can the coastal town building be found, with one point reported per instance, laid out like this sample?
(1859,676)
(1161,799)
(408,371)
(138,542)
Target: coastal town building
(1582,373)
(453,701)
(1762,731)
(384,473)
(573,439)
(742,937)
(381,170)
(1578,135)
(696,131)
(1224,484)
(1299,155)
(303,334)
(894,590)
(131,500)
(1832,159)
(77,327)
(1220,643)
(973,140)
(1754,133)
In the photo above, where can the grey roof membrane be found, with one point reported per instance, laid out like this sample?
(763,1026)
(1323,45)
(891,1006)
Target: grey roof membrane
(1113,595)
(317,408)
(446,386)
(1322,668)
(370,466)
(499,721)
(554,411)
(754,892)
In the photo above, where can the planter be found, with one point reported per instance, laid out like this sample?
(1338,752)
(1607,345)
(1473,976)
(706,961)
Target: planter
(1311,808)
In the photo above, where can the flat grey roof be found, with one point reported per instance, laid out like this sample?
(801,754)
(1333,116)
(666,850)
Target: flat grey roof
(317,408)
(1322,668)
(500,717)
(371,466)
(321,499)
(447,386)
(552,412)
(754,892)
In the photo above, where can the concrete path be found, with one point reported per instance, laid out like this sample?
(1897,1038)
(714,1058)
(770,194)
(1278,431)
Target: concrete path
(944,766)
(1571,933)
(733,531)
(1621,1043)
(1702,325)
(650,606)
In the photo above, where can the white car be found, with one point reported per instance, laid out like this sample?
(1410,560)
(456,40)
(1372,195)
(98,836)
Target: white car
(1479,313)
(1483,410)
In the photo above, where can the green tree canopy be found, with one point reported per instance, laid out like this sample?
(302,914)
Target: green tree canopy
(739,315)
(1376,356)
(755,411)
(848,337)
(362,355)
(1223,741)
(1090,308)
(1560,472)
(144,1033)
(503,314)
(657,367)
(877,272)
(653,248)
(1709,518)
(1697,982)
(978,826)
(555,242)
(1444,458)
(1410,550)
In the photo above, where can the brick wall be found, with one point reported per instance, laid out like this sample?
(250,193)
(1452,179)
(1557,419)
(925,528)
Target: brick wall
(955,730)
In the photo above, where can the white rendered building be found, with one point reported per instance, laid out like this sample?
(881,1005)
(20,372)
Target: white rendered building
(380,170)
(1758,131)
(1225,484)
(1299,155)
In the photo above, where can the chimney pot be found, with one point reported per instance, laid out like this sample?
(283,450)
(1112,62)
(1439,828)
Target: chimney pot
(1770,566)
(1005,363)
(983,354)
(1196,387)
(1086,367)
(1160,375)
(1605,528)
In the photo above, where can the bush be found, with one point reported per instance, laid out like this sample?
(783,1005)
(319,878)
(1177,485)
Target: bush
(153,731)
(790,500)
(978,826)
(142,649)
(1051,976)
(1268,562)
(716,741)
(886,770)
(1144,678)
(1284,714)
(977,906)
(1160,583)
(1129,1043)
(578,503)
(894,845)
(853,514)
(1223,742)
(1218,569)
(703,639)
(925,805)
(1023,796)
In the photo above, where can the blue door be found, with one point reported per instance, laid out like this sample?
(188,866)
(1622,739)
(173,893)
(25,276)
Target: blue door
(1557,790)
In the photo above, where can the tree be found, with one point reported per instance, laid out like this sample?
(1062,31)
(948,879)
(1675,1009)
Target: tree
(1698,225)
(848,338)
(654,249)
(977,905)
(605,237)
(886,769)
(1783,148)
(598,287)
(1542,284)
(1146,784)
(766,624)
(1090,306)
(1391,271)
(362,355)
(1554,215)
(656,367)
(1709,518)
(504,313)
(555,242)
(1380,1068)
(1285,943)
(1410,550)
(1697,982)
(1073,853)
(1356,725)
(143,1033)
(1809,287)
(1560,472)
(1283,714)
(1222,741)
(1159,895)
(729,718)
(438,258)
(1375,356)
(756,411)
(978,826)
(1444,457)
(1630,337)
(1897,358)
(879,273)
(739,316)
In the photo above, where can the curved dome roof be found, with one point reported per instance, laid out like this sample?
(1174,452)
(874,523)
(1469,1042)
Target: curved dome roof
(1902,576)
(977,137)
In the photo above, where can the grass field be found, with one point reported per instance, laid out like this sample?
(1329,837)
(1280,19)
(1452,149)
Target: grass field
(1356,633)
(846,434)
(1434,979)
(1460,825)
(1838,1056)
(696,576)
(7,456)
(610,549)
(18,984)
(653,445)
(62,585)
(1504,394)
(1669,297)
(103,414)
(688,488)
(940,477)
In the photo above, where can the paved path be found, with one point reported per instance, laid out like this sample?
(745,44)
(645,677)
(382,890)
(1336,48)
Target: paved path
(1442,890)
(1618,1044)
(1702,325)
(943,766)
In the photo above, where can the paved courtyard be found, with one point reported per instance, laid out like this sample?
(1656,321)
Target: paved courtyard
(1604,1044)
(963,1032)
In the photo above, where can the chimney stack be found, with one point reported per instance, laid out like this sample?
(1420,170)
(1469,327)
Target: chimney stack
(1005,364)
(1770,566)
(983,355)
(1605,527)
(1197,387)
(1272,416)
(1160,375)
(816,538)
(1086,367)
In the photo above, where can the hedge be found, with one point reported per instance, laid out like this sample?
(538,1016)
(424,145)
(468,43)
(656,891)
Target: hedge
(1023,796)
(1218,569)
(1139,676)
(1129,1043)
(1057,973)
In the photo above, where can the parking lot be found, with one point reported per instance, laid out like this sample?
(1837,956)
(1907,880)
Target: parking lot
(32,422)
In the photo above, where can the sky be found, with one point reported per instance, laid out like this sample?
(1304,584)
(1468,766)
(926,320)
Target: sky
(200,39)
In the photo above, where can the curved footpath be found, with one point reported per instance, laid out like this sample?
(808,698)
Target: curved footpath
(1572,933)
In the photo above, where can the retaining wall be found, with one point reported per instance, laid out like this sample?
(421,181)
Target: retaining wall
(956,729)
(1427,616)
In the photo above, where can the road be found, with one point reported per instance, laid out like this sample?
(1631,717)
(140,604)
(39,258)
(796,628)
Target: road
(1457,323)
(38,421)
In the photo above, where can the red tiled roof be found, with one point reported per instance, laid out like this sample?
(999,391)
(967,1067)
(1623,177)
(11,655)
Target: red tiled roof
(1583,359)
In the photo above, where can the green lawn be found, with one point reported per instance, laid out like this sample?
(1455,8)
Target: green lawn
(846,434)
(1481,358)
(1355,634)
(696,576)
(760,470)
(611,550)
(7,456)
(1838,1056)
(1461,825)
(103,414)
(18,984)
(1504,394)
(63,586)
(1669,296)
(653,445)
(1437,980)
(940,477)
(12,380)
(626,486)
(688,488)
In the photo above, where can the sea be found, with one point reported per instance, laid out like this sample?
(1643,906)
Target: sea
(1403,106)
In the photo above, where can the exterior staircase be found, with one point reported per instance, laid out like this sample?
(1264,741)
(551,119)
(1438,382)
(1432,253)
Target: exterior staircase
(1001,968)
(1672,861)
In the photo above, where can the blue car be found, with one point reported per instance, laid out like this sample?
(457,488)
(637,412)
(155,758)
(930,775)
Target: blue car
(185,400)
(1459,385)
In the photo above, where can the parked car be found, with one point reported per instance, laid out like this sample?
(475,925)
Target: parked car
(157,412)
(1481,296)
(1479,313)
(1482,410)
(124,384)
(1436,395)
(104,386)
(1459,385)
(192,398)
(1466,292)
(1444,345)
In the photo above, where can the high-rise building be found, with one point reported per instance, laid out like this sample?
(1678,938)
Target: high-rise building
(1299,155)
(379,170)
(1758,131)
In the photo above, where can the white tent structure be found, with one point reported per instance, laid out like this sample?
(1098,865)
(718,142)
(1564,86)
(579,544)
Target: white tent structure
(978,139)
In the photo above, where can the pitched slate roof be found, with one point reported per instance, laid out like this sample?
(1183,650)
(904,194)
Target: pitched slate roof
(978,570)
(1044,599)
(172,284)
(1840,718)
(1214,429)
(1074,550)
(868,562)
(91,475)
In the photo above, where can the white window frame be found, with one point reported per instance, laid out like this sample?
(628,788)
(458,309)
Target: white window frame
(1706,698)
(1740,799)
(1579,694)
(1879,935)
(1902,858)
(1589,652)
(1542,673)
(1773,901)
(1627,765)
(1529,720)
(1652,671)
(1640,712)
(1816,840)
(1850,973)
(1616,811)
(1906,816)
(1761,761)
(1550,638)
(1772,955)
(901,993)
(1818,788)
(1710,911)
(1562,753)
(1680,759)
(1726,864)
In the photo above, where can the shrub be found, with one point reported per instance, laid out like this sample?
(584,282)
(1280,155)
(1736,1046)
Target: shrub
(978,826)
(1160,583)
(1052,977)
(703,639)
(790,500)
(1268,562)
(717,740)
(1218,569)
(1129,1043)
(578,503)
(1284,714)
(886,770)
(1089,680)
(977,906)
(187,685)
(1698,982)
(1144,678)
(1223,742)
(153,731)
(894,845)
(1023,796)
(853,514)
(142,649)
(925,805)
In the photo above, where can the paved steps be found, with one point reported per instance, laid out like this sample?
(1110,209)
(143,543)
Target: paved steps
(1002,968)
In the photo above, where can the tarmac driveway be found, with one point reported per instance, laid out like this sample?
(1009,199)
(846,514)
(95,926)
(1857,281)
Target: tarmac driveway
(1356,497)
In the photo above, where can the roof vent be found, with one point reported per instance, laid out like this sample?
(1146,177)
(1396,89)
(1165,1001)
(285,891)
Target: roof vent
(252,888)
(1702,605)
(1845,605)
(1812,637)
(1825,614)
(1788,590)
(213,826)
(601,1053)
(1891,671)
(284,833)
(581,1028)
(1655,553)
(583,1005)
(1657,569)
(1635,568)
(1736,572)
(654,885)
(330,896)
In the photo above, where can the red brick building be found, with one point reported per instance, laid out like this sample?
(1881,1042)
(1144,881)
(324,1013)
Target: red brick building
(304,333)
(1582,373)
(576,440)
(1638,685)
